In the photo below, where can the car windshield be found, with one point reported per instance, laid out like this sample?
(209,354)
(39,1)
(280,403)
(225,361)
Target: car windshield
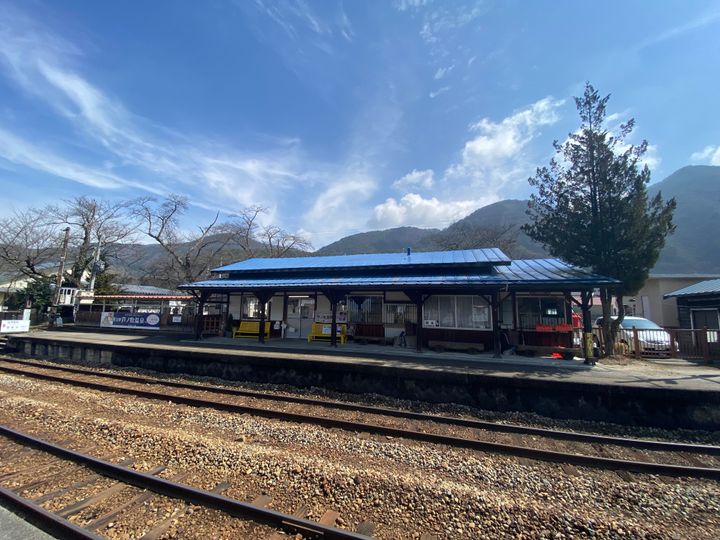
(640,324)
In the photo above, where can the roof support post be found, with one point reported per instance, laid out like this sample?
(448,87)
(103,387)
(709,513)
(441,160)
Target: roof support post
(418,299)
(263,298)
(333,330)
(199,317)
(586,302)
(495,306)
(334,296)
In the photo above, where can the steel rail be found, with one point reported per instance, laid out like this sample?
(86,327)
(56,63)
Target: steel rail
(645,444)
(449,440)
(44,519)
(182,491)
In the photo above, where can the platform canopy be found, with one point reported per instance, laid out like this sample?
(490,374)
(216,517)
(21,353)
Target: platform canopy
(488,269)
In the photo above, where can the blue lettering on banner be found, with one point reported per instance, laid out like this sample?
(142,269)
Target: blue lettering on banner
(149,321)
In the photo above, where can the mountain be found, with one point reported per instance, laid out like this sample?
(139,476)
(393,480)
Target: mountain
(388,240)
(508,213)
(695,245)
(693,248)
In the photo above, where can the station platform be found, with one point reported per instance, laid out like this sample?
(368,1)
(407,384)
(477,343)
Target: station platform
(15,527)
(652,392)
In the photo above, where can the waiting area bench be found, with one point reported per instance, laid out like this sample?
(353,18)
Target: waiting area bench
(324,331)
(250,329)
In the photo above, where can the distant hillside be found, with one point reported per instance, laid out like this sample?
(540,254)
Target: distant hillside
(695,246)
(388,240)
(501,214)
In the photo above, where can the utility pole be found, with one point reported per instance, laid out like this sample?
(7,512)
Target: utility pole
(59,277)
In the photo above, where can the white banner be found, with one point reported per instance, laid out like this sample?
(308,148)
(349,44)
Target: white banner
(12,327)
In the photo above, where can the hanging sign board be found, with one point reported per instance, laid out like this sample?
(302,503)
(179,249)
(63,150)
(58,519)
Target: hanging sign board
(146,321)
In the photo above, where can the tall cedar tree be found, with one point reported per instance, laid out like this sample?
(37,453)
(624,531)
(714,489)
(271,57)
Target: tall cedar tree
(592,208)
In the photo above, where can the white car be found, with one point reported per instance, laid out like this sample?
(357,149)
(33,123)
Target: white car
(653,338)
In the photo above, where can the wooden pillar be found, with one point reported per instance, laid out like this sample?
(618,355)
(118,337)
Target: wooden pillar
(419,326)
(263,297)
(587,338)
(333,330)
(495,305)
(199,321)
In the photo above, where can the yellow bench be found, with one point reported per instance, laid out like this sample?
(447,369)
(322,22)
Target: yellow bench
(250,329)
(324,331)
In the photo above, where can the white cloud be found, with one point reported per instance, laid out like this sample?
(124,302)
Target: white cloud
(493,161)
(21,152)
(710,154)
(125,150)
(500,142)
(443,72)
(438,92)
(651,158)
(416,179)
(414,210)
(338,208)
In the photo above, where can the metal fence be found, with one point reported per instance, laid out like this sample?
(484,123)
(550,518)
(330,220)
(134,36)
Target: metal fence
(700,344)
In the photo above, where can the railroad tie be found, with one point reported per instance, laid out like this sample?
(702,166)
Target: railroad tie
(136,501)
(262,500)
(116,488)
(366,528)
(329,518)
(45,479)
(162,527)
(80,483)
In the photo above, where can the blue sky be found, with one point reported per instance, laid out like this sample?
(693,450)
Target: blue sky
(338,117)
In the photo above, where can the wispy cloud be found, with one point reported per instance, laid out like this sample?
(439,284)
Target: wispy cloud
(702,21)
(439,92)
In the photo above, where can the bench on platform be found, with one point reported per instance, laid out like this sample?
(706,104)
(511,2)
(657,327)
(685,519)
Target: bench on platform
(250,329)
(324,331)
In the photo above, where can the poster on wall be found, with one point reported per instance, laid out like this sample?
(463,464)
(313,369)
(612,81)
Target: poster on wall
(13,327)
(147,321)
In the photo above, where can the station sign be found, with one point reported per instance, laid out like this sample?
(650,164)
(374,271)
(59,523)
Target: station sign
(146,321)
(14,327)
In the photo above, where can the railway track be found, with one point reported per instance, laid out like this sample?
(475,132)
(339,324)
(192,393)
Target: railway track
(564,447)
(36,473)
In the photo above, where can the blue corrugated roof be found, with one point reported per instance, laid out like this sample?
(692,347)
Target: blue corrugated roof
(710,286)
(520,272)
(483,256)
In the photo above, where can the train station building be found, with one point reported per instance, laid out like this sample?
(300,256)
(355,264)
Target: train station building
(475,299)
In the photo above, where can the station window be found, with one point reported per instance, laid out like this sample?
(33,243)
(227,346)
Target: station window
(466,312)
(365,309)
(399,314)
(540,310)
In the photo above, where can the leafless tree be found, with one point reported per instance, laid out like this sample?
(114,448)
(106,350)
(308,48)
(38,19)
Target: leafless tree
(191,255)
(94,225)
(257,240)
(29,244)
(467,236)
